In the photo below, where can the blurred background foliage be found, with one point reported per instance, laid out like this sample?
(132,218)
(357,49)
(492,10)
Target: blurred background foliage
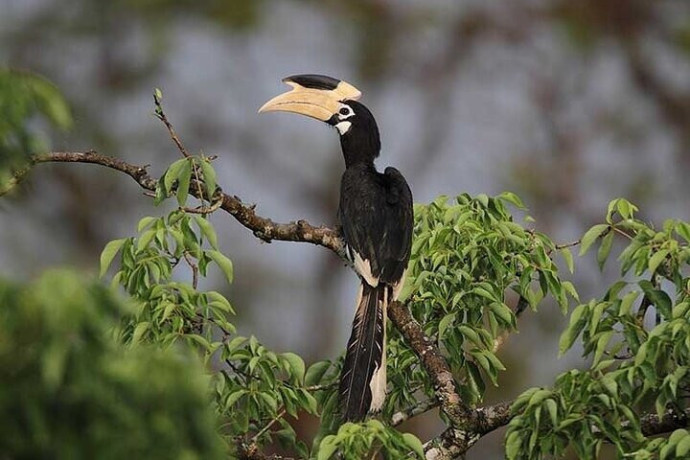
(69,389)
(568,103)
(26,100)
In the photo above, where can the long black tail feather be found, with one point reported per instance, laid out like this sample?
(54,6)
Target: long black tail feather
(363,378)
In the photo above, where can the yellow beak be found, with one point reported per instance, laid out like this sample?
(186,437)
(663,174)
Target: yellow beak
(317,103)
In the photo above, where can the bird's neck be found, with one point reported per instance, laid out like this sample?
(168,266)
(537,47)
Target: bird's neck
(359,150)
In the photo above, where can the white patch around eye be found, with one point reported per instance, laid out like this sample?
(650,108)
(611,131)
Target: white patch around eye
(348,112)
(343,127)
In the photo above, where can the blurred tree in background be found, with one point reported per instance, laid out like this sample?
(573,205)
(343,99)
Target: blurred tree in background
(69,389)
(567,103)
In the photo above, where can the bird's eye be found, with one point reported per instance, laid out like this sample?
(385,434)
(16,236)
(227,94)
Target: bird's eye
(344,111)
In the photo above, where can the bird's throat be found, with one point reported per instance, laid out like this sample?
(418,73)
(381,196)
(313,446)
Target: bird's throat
(359,148)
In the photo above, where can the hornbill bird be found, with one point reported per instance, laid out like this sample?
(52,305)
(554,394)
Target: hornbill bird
(375,215)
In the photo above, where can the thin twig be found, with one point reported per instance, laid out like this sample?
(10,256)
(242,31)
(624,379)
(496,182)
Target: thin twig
(621,232)
(161,116)
(195,269)
(419,408)
(206,209)
(278,416)
(321,387)
(567,245)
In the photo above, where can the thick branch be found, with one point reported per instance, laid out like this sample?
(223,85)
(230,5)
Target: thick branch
(419,408)
(652,424)
(264,228)
(434,364)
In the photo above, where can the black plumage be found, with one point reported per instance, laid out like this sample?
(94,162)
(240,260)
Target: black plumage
(375,214)
(376,218)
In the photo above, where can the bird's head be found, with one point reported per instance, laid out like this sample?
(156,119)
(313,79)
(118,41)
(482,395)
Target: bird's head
(334,102)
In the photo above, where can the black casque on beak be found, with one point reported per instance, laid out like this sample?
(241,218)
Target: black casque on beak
(316,96)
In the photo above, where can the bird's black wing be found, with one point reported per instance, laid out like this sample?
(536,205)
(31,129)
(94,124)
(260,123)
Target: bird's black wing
(396,244)
(376,218)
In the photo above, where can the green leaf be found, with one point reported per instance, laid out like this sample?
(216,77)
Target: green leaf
(108,254)
(601,345)
(538,397)
(184,178)
(51,102)
(591,236)
(625,208)
(309,403)
(414,443)
(296,365)
(514,445)
(199,340)
(604,249)
(139,331)
(570,289)
(145,239)
(683,229)
(207,230)
(626,303)
(568,258)
(234,397)
(270,401)
(217,299)
(683,447)
(316,372)
(484,293)
(223,262)
(502,311)
(553,411)
(444,323)
(209,177)
(657,259)
(171,175)
(145,222)
(575,326)
(512,198)
(327,447)
(659,298)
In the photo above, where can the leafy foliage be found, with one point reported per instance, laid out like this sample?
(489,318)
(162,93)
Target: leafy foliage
(68,389)
(254,388)
(24,98)
(357,440)
(469,258)
(638,336)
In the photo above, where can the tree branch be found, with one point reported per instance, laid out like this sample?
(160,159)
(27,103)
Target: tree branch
(434,364)
(262,227)
(652,424)
(419,408)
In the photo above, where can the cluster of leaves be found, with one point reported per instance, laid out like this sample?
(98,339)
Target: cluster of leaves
(359,440)
(24,99)
(69,389)
(638,336)
(468,258)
